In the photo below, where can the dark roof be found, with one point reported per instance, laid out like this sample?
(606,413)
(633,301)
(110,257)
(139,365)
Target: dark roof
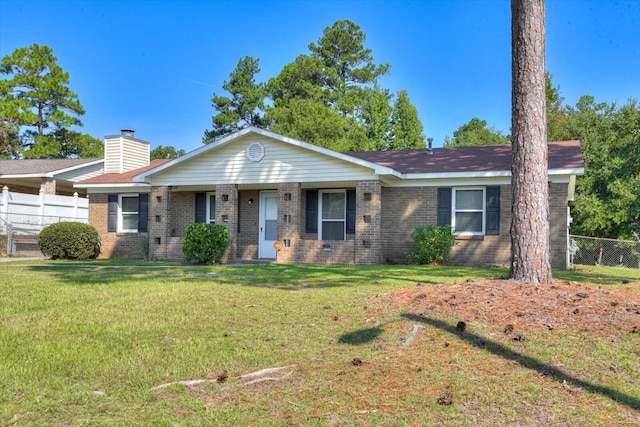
(123,178)
(561,155)
(39,166)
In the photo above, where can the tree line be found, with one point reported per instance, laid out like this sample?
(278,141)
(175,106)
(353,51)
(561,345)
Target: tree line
(607,201)
(331,96)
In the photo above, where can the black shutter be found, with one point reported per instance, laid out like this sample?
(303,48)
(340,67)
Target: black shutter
(112,212)
(351,211)
(238,224)
(444,206)
(143,212)
(311,223)
(201,207)
(493,210)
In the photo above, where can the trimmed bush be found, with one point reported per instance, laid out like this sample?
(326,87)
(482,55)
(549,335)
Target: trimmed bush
(204,243)
(434,244)
(69,240)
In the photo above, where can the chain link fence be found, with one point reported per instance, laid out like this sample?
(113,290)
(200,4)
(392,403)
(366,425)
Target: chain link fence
(606,252)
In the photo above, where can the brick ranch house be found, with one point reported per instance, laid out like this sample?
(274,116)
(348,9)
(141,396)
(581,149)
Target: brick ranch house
(324,207)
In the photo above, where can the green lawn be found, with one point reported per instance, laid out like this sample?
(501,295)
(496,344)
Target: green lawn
(86,343)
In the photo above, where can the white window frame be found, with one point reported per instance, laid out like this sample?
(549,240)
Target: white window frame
(208,215)
(122,213)
(344,214)
(483,210)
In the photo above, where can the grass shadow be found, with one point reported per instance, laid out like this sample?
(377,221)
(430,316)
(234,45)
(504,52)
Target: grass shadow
(528,362)
(362,336)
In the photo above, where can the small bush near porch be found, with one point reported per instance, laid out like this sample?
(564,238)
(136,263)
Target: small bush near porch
(155,344)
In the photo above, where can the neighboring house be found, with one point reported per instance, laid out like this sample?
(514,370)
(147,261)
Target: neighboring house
(37,192)
(52,176)
(323,207)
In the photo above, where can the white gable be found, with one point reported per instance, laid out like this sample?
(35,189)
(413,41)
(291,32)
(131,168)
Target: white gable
(256,159)
(255,156)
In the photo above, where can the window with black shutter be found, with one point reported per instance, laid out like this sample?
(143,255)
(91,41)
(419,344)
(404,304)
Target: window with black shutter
(311,213)
(112,213)
(493,210)
(201,207)
(143,212)
(444,206)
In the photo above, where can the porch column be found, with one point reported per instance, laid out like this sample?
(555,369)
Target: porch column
(48,185)
(289,220)
(159,202)
(227,215)
(368,244)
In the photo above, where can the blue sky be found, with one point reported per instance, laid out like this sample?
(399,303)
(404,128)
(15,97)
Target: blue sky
(153,65)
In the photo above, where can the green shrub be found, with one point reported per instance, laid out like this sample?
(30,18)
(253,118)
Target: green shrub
(204,243)
(69,240)
(434,244)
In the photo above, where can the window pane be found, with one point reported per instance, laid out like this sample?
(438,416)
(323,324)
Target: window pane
(468,222)
(130,222)
(333,205)
(212,208)
(333,230)
(130,204)
(469,199)
(271,229)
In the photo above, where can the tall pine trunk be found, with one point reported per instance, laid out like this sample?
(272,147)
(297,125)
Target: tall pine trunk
(530,247)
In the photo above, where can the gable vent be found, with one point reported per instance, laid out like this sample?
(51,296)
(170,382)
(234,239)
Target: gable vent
(255,152)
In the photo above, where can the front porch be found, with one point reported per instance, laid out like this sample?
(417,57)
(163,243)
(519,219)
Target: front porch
(257,217)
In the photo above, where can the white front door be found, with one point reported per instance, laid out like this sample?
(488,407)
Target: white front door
(268,224)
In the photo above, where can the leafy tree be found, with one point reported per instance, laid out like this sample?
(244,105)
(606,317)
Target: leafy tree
(557,119)
(476,133)
(406,127)
(310,120)
(63,143)
(167,152)
(300,79)
(607,203)
(376,116)
(347,65)
(36,96)
(246,105)
(530,247)
(9,140)
(330,96)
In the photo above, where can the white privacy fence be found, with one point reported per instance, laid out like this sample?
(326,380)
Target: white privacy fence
(29,213)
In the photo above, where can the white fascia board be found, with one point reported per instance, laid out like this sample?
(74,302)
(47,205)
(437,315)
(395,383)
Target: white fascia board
(449,182)
(379,170)
(19,176)
(484,174)
(456,175)
(136,186)
(69,169)
(574,171)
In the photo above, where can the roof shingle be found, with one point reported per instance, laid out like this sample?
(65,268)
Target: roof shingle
(562,155)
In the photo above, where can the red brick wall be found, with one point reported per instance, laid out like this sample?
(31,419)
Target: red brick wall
(558,202)
(291,225)
(249,224)
(114,245)
(228,208)
(406,208)
(393,214)
(368,239)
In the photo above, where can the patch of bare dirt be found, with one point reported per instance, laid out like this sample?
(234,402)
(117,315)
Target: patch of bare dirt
(508,304)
